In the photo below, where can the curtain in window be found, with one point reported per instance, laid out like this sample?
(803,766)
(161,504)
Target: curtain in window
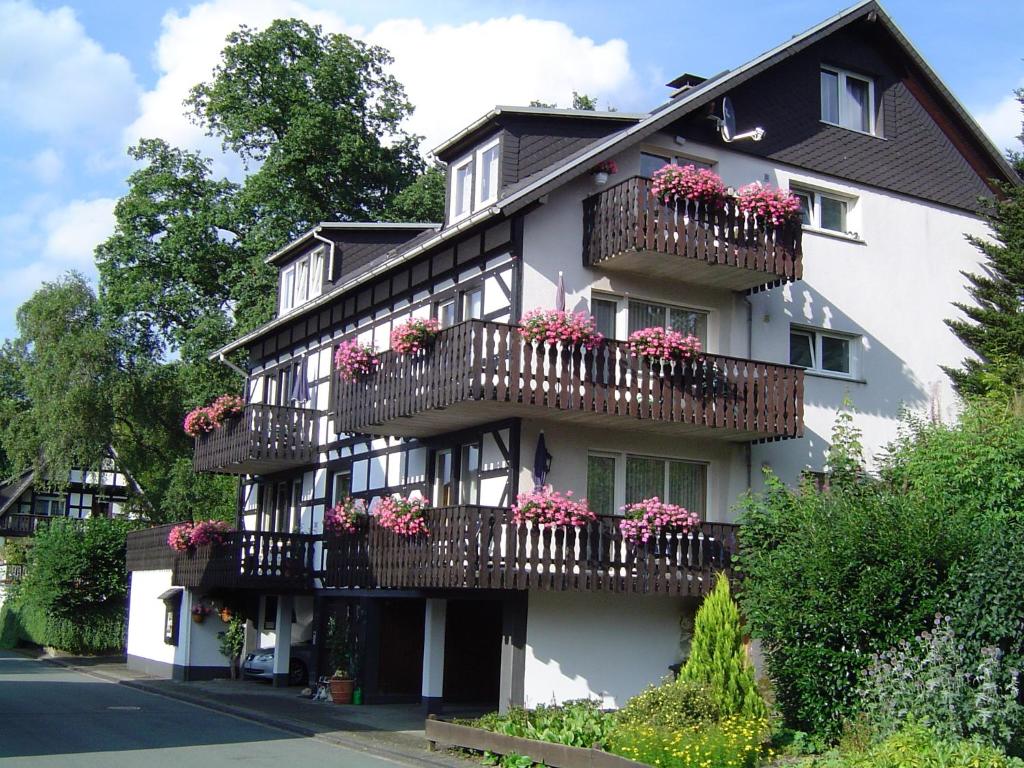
(644,478)
(856,107)
(830,97)
(689,322)
(643,315)
(687,486)
(604,316)
(601,484)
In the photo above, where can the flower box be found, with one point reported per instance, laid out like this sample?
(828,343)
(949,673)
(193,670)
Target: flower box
(345,517)
(661,344)
(687,182)
(353,360)
(405,516)
(556,326)
(646,521)
(550,509)
(414,336)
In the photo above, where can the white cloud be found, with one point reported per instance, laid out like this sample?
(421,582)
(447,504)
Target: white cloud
(47,165)
(452,73)
(56,80)
(74,231)
(1002,122)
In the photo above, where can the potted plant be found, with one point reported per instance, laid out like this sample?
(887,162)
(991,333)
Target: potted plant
(644,522)
(210,417)
(342,684)
(353,360)
(405,516)
(550,509)
(553,326)
(414,335)
(602,170)
(672,183)
(200,611)
(662,345)
(768,205)
(345,516)
(232,640)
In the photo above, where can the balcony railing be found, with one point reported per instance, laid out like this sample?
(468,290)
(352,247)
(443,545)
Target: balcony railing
(15,524)
(472,547)
(11,573)
(478,371)
(248,559)
(625,227)
(260,440)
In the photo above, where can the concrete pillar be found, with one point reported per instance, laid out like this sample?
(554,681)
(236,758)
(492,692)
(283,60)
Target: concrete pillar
(283,640)
(433,655)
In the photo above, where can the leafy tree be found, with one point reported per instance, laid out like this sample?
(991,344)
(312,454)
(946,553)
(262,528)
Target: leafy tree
(423,200)
(718,659)
(583,101)
(994,328)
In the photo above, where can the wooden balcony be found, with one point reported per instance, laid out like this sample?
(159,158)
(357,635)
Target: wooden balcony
(14,524)
(11,574)
(625,228)
(260,440)
(472,547)
(248,560)
(479,371)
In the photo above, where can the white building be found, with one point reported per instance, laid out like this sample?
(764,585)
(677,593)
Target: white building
(889,167)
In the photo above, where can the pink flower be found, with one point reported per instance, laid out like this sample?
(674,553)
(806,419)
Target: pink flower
(550,326)
(186,536)
(605,166)
(208,418)
(405,516)
(353,360)
(414,335)
(345,516)
(674,182)
(652,517)
(550,509)
(662,344)
(768,204)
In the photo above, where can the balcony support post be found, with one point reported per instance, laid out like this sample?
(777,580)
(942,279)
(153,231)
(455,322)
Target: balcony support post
(282,640)
(513,653)
(433,655)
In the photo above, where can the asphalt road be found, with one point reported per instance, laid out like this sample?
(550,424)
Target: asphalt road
(50,716)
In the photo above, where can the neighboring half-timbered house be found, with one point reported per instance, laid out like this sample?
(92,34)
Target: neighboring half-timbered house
(888,167)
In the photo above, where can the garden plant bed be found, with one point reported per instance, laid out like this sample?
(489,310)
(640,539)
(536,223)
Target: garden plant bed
(550,754)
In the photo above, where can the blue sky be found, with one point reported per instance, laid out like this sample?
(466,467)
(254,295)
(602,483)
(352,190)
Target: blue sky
(80,82)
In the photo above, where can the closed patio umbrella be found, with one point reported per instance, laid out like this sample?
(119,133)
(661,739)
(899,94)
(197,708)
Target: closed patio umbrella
(560,293)
(300,386)
(541,463)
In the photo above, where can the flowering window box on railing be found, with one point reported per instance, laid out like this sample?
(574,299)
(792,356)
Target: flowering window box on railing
(474,547)
(260,439)
(627,228)
(479,371)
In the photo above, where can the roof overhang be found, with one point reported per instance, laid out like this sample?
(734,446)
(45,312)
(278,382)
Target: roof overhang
(380,226)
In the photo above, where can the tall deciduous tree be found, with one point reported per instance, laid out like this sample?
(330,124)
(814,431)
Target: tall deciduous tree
(994,328)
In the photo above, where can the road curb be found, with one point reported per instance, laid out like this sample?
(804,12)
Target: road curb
(408,757)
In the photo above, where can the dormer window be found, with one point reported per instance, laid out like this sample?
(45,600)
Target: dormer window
(474,180)
(847,100)
(302,280)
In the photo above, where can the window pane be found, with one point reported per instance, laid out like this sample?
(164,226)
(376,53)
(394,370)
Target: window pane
(473,305)
(342,486)
(695,163)
(604,316)
(470,485)
(287,288)
(829,96)
(601,484)
(316,278)
(801,349)
(446,314)
(644,478)
(443,479)
(650,163)
(856,112)
(488,173)
(643,315)
(835,354)
(687,486)
(806,206)
(690,322)
(833,214)
(302,281)
(463,188)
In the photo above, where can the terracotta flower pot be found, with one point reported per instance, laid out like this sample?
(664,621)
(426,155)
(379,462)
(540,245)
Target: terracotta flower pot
(198,618)
(225,615)
(341,690)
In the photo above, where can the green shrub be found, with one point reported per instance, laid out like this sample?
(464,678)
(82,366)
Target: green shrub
(673,704)
(15,551)
(718,659)
(92,632)
(946,686)
(914,746)
(578,723)
(735,742)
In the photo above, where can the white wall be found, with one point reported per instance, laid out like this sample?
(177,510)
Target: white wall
(569,444)
(606,646)
(202,646)
(146,617)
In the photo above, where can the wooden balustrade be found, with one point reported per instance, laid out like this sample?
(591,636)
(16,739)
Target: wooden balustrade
(625,225)
(15,524)
(261,439)
(11,573)
(477,370)
(472,547)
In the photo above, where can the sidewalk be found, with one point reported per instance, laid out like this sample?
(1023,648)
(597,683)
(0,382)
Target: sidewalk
(394,731)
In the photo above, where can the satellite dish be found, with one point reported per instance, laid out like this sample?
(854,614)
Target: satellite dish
(727,124)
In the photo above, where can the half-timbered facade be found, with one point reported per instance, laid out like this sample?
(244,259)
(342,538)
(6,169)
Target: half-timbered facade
(791,319)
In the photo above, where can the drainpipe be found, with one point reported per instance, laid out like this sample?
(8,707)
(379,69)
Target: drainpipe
(750,354)
(332,244)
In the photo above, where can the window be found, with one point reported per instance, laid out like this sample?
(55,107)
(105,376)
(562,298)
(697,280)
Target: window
(822,351)
(172,609)
(473,304)
(469,474)
(604,311)
(443,479)
(651,162)
(288,288)
(341,485)
(487,175)
(302,280)
(462,189)
(445,313)
(601,483)
(614,480)
(49,505)
(847,100)
(823,210)
(689,321)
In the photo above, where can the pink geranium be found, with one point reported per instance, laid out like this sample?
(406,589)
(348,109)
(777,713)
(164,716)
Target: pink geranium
(551,326)
(210,417)
(345,516)
(402,515)
(652,517)
(687,182)
(768,204)
(662,344)
(180,537)
(605,166)
(210,532)
(353,359)
(550,509)
(414,335)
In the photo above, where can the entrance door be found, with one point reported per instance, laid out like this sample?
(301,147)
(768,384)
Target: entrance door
(400,653)
(472,652)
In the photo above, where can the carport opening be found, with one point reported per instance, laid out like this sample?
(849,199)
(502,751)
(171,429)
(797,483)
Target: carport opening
(472,653)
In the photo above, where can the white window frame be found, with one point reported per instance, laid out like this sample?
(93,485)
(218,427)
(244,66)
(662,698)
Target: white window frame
(842,74)
(620,475)
(622,313)
(317,261)
(478,174)
(454,214)
(676,159)
(287,297)
(817,334)
(816,196)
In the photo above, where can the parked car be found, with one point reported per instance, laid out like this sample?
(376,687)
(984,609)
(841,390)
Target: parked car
(260,664)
